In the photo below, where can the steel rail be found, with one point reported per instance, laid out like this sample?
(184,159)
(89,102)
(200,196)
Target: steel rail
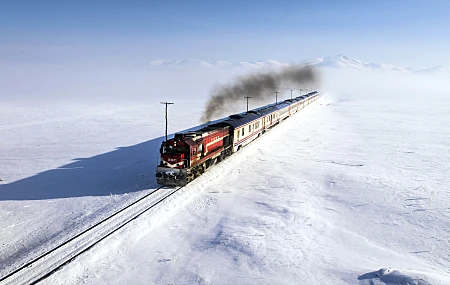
(96,241)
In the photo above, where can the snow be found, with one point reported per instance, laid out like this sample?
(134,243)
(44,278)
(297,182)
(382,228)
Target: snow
(184,63)
(343,61)
(339,61)
(351,190)
(437,70)
(62,170)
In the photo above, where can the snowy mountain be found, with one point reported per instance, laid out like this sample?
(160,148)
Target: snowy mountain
(443,70)
(343,61)
(181,63)
(217,64)
(339,61)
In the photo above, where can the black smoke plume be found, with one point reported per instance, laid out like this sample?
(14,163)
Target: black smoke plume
(260,86)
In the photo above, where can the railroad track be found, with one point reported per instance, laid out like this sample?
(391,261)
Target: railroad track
(53,260)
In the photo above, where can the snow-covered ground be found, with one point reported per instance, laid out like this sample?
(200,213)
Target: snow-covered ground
(65,166)
(352,190)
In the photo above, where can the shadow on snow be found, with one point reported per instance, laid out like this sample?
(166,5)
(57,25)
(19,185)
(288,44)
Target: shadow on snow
(124,170)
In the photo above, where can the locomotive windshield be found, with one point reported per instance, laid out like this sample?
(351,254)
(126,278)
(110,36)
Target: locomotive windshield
(175,149)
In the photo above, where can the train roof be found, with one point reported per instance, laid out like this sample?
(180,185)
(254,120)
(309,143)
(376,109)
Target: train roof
(200,133)
(266,109)
(238,120)
(282,105)
(241,119)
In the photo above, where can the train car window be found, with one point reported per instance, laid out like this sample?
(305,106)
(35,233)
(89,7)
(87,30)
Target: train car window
(249,128)
(193,151)
(242,131)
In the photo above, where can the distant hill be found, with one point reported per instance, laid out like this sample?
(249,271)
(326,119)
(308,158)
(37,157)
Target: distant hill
(339,61)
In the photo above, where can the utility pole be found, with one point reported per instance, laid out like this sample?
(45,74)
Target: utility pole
(276,97)
(247,101)
(291,93)
(300,91)
(167,104)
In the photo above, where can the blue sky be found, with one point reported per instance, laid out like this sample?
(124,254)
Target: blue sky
(408,33)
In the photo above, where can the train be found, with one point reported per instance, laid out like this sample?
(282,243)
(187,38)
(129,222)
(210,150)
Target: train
(189,154)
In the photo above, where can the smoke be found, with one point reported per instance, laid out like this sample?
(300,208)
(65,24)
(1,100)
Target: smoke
(260,86)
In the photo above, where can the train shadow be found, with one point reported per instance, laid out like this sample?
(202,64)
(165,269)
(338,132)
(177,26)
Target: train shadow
(124,170)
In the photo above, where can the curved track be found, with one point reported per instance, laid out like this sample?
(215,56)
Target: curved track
(48,263)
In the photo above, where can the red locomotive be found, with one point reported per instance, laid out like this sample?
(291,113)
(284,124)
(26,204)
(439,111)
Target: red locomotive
(189,154)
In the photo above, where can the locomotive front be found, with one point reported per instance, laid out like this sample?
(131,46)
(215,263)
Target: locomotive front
(172,169)
(189,154)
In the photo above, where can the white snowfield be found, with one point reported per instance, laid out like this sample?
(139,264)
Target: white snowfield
(351,190)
